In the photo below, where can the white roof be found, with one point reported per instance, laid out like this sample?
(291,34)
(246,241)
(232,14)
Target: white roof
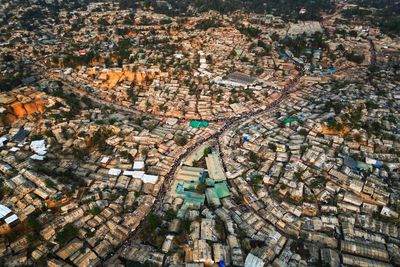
(2,140)
(4,211)
(370,161)
(14,148)
(11,219)
(37,157)
(385,210)
(146,178)
(105,160)
(138,165)
(253,261)
(137,174)
(68,71)
(152,179)
(171,121)
(275,235)
(179,56)
(115,172)
(128,173)
(39,147)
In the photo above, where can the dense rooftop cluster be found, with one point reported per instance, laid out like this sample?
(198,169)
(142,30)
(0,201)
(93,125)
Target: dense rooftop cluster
(210,133)
(304,185)
(120,161)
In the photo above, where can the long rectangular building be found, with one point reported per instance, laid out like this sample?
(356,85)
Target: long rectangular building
(350,260)
(370,250)
(214,167)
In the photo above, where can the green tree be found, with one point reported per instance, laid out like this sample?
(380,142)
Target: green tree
(4,191)
(95,210)
(208,23)
(154,221)
(272,146)
(303,132)
(254,157)
(49,182)
(34,226)
(144,152)
(170,215)
(207,151)
(354,57)
(107,62)
(148,104)
(201,188)
(180,140)
(68,233)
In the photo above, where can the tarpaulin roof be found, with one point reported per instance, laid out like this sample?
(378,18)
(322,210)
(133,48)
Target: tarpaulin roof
(198,124)
(289,120)
(222,190)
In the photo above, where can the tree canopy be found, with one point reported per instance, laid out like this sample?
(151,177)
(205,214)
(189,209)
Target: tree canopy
(68,233)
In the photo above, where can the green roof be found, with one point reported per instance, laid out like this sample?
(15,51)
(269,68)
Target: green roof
(221,190)
(195,200)
(185,188)
(289,120)
(198,124)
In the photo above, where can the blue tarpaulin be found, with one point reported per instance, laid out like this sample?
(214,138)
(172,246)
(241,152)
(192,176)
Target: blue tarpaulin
(378,164)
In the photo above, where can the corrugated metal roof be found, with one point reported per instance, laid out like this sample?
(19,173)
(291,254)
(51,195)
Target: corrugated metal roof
(11,219)
(114,172)
(20,135)
(4,211)
(152,179)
